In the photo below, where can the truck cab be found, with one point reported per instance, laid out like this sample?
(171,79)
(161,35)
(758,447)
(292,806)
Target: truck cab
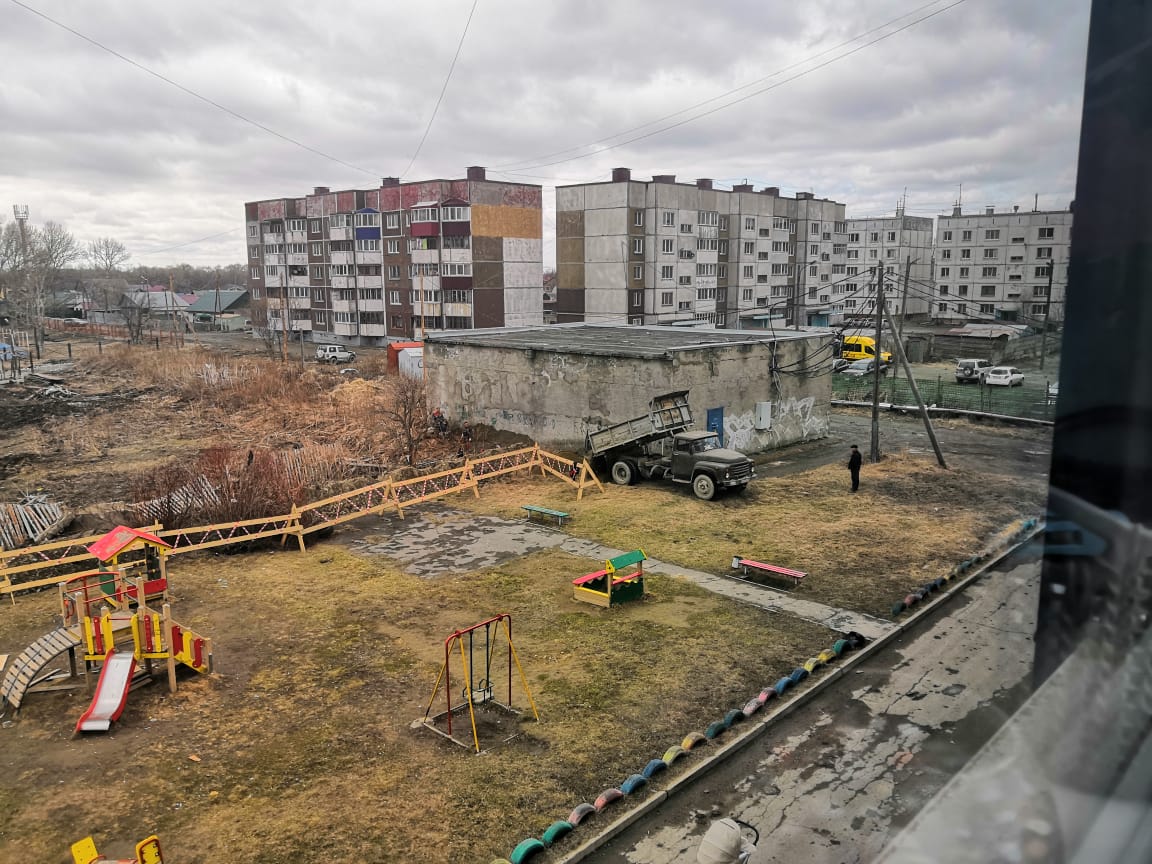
(700,459)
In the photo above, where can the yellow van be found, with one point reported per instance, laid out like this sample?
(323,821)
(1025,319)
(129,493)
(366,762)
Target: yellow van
(862,348)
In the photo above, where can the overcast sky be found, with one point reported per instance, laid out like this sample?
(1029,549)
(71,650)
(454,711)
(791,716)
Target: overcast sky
(986,94)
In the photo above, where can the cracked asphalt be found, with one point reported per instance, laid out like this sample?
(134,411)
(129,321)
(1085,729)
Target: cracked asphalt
(834,781)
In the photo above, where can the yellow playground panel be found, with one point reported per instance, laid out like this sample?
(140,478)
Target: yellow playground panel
(147,852)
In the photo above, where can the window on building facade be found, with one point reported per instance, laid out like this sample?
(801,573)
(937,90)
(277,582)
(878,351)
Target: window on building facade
(746,295)
(987,290)
(749,271)
(684,306)
(666,298)
(722,248)
(780,270)
(707,245)
(637,245)
(340,246)
(749,247)
(707,217)
(638,218)
(813,270)
(705,269)
(992,234)
(687,254)
(637,272)
(423,214)
(1040,273)
(749,223)
(341,270)
(391,220)
(685,280)
(685,227)
(852,271)
(366,220)
(991,253)
(988,272)
(962,308)
(340,220)
(297,224)
(636,299)
(945,271)
(891,237)
(761,279)
(669,218)
(1046,233)
(965,236)
(943,290)
(456,269)
(705,293)
(964,272)
(850,303)
(988,308)
(874,237)
(838,269)
(1037,308)
(319,271)
(854,237)
(393,247)
(889,253)
(941,307)
(1039,290)
(814,228)
(371,294)
(253,231)
(393,298)
(343,318)
(1043,252)
(853,254)
(962,290)
(368,245)
(873,253)
(945,254)
(272,270)
(256,272)
(367,269)
(965,253)
(667,271)
(318,250)
(393,272)
(457,214)
(723,223)
(722,271)
(456,242)
(254,252)
(667,246)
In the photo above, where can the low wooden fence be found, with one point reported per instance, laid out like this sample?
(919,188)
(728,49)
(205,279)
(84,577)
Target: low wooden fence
(72,558)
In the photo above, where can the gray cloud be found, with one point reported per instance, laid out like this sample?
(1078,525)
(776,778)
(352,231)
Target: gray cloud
(986,95)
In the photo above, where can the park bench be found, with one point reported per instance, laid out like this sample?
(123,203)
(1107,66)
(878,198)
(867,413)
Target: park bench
(558,515)
(746,564)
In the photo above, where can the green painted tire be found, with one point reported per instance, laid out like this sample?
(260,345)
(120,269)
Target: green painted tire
(555,831)
(524,850)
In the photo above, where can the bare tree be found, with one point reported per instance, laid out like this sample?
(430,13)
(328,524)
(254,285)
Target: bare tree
(106,254)
(50,248)
(258,315)
(405,407)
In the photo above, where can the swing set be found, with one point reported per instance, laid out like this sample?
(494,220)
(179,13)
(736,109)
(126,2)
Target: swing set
(481,689)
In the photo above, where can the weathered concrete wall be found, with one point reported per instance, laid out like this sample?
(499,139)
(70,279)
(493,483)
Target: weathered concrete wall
(557,397)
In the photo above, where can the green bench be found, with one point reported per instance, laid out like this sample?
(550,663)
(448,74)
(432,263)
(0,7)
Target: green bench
(558,515)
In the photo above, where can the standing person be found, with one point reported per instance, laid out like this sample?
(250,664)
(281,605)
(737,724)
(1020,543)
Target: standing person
(854,462)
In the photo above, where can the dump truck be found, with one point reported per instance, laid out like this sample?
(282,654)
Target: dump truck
(661,445)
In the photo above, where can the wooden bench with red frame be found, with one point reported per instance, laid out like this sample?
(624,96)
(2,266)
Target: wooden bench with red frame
(746,564)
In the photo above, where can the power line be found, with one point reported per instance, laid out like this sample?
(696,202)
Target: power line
(190,242)
(443,89)
(754,93)
(193,93)
(723,95)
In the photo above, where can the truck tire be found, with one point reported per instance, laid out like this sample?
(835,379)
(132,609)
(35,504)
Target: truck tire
(623,474)
(704,487)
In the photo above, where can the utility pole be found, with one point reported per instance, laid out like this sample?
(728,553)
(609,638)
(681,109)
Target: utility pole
(874,455)
(904,295)
(798,287)
(916,395)
(20,211)
(1047,309)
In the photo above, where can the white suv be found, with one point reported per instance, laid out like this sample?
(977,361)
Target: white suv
(972,370)
(334,354)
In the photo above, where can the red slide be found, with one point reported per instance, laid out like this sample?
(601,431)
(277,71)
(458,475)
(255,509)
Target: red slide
(111,693)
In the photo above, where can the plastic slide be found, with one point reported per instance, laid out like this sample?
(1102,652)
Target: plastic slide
(111,693)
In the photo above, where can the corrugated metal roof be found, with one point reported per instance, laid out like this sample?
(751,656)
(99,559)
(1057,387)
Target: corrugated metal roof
(207,301)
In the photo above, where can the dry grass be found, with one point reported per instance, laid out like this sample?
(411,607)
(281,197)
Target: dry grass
(862,551)
(325,658)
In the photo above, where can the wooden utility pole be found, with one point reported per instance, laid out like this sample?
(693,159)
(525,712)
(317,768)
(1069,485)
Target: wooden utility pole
(916,395)
(1047,309)
(874,455)
(904,296)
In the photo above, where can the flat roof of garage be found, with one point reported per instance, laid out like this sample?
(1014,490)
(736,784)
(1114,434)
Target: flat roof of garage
(614,340)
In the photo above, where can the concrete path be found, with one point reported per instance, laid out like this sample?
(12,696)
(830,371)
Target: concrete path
(439,541)
(835,780)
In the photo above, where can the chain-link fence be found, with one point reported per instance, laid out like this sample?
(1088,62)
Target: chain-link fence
(1031,400)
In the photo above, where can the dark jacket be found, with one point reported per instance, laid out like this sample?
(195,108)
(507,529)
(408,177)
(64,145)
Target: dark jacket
(854,461)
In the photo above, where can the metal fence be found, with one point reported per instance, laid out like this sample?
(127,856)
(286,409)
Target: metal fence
(1030,400)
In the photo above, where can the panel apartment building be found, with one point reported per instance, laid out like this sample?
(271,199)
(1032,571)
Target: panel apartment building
(998,266)
(367,267)
(890,242)
(662,252)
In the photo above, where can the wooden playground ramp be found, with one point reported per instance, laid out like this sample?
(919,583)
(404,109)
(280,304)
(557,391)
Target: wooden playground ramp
(71,557)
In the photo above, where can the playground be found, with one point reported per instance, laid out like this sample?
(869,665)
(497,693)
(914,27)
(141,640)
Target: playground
(301,740)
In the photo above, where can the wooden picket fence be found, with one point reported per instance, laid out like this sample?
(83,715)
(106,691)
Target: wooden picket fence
(386,495)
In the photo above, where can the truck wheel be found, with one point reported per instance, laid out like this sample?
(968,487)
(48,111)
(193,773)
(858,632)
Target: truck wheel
(704,487)
(623,473)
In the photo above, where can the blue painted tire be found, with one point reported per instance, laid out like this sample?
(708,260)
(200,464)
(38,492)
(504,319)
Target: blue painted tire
(715,730)
(555,831)
(940,583)
(525,849)
(654,766)
(782,685)
(580,813)
(636,781)
(798,674)
(733,716)
(898,607)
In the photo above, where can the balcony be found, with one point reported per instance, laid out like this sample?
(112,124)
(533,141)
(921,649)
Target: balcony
(372,305)
(342,258)
(273,238)
(299,302)
(458,310)
(707,231)
(295,258)
(369,258)
(339,233)
(425,256)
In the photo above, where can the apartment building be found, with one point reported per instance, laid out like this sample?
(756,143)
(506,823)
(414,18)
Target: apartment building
(999,266)
(662,252)
(371,266)
(892,243)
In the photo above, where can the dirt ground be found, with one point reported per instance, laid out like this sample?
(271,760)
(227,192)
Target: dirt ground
(324,658)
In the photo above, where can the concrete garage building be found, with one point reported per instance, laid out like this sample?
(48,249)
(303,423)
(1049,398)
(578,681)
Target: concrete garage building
(557,383)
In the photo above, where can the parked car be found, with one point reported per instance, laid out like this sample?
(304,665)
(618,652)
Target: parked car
(1053,391)
(334,354)
(1004,376)
(860,368)
(972,370)
(839,364)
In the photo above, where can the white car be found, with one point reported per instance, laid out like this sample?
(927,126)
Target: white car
(1004,376)
(334,354)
